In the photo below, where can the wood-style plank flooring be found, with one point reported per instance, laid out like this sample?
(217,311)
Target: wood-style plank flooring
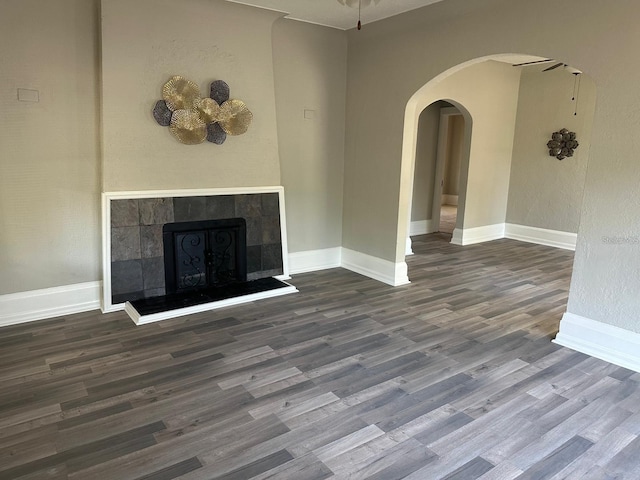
(451,377)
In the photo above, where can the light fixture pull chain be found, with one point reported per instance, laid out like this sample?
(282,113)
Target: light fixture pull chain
(576,92)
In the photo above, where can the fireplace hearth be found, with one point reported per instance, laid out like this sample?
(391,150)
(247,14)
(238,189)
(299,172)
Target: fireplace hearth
(176,252)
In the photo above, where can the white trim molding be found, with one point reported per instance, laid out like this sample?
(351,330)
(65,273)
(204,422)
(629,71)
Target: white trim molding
(52,302)
(394,274)
(469,236)
(314,260)
(601,340)
(541,236)
(408,247)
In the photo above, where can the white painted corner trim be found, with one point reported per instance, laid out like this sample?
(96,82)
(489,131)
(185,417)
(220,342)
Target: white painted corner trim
(34,305)
(601,340)
(313,260)
(541,236)
(523,233)
(394,274)
(469,236)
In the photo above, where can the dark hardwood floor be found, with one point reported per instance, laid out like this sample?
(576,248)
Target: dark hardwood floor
(451,377)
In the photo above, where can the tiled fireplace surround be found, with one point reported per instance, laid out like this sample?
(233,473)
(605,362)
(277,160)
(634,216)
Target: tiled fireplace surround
(134,259)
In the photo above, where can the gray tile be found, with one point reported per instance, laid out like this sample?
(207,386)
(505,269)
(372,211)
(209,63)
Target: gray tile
(270,204)
(154,292)
(270,273)
(126,277)
(220,207)
(272,257)
(156,211)
(126,297)
(189,209)
(124,213)
(125,243)
(153,272)
(254,258)
(254,230)
(271,230)
(248,205)
(151,241)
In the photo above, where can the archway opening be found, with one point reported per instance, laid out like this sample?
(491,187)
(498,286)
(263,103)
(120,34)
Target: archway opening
(509,185)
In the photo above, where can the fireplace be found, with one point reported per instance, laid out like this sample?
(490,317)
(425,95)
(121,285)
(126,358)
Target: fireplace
(225,246)
(204,254)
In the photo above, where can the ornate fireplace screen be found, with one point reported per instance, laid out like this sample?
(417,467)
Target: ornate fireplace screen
(204,254)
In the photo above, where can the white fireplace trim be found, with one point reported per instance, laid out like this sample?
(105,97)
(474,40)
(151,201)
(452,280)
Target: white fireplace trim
(107,197)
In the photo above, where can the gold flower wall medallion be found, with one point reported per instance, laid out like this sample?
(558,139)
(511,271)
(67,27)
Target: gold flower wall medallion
(180,93)
(188,127)
(235,117)
(193,119)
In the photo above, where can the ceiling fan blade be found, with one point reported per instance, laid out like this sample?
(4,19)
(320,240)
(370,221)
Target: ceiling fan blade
(553,67)
(533,63)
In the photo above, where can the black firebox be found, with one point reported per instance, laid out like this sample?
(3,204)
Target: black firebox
(204,254)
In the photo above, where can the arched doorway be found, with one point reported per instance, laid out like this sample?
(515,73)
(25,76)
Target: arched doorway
(488,94)
(442,141)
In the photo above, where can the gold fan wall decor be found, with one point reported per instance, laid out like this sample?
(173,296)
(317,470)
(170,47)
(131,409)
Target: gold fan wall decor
(192,119)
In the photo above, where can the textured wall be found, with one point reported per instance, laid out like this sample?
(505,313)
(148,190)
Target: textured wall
(310,64)
(49,154)
(545,192)
(144,43)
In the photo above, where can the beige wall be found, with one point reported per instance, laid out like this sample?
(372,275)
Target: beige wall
(488,91)
(455,146)
(425,170)
(545,192)
(487,95)
(599,40)
(144,43)
(310,64)
(48,151)
(49,159)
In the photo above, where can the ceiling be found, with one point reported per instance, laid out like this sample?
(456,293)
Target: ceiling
(332,14)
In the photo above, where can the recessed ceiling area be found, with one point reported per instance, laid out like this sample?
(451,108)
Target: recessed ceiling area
(332,14)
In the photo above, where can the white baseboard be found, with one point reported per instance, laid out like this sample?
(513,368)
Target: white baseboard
(408,247)
(313,260)
(449,199)
(49,302)
(601,340)
(541,236)
(469,236)
(421,227)
(394,274)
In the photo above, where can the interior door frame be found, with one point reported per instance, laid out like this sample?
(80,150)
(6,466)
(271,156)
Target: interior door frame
(441,161)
